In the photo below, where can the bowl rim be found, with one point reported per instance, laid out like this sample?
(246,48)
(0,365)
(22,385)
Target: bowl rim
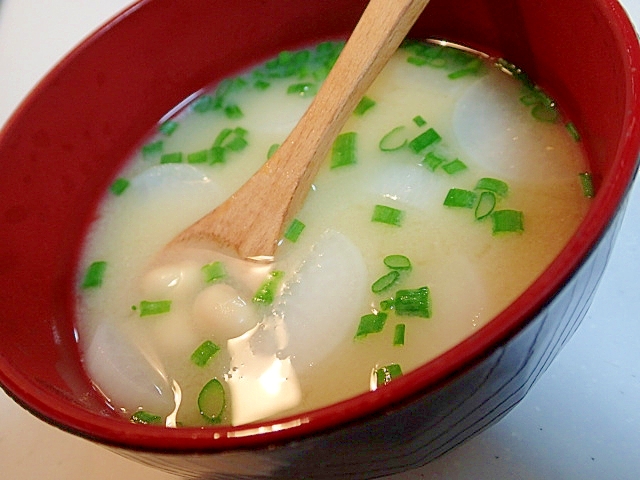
(402,390)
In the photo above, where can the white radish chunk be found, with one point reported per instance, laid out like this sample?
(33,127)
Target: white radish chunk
(322,304)
(128,376)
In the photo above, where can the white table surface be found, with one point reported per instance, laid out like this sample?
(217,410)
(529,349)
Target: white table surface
(580,421)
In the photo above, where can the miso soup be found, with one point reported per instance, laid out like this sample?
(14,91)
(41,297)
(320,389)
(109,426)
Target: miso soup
(453,185)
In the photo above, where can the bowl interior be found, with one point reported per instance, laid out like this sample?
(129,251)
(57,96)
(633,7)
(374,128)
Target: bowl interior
(63,146)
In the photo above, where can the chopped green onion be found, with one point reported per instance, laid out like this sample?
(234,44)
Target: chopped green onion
(425,139)
(486,205)
(390,142)
(515,71)
(385,282)
(507,221)
(204,353)
(267,291)
(473,67)
(397,262)
(586,181)
(261,85)
(419,121)
(152,149)
(371,323)
(417,61)
(272,149)
(154,308)
(168,127)
(146,418)
(203,104)
(545,113)
(294,230)
(432,161)
(387,304)
(198,157)
(493,185)
(304,89)
(573,131)
(211,401)
(94,275)
(387,373)
(233,112)
(175,157)
(237,143)
(365,104)
(398,334)
(213,272)
(222,136)
(460,198)
(454,166)
(119,186)
(388,215)
(218,154)
(343,151)
(415,302)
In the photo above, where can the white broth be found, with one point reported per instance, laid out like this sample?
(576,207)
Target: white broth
(142,325)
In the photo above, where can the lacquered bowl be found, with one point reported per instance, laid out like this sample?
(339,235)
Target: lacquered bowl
(63,146)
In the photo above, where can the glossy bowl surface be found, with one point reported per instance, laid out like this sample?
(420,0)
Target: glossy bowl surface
(63,146)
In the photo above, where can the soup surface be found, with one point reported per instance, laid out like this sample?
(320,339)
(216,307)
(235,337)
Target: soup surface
(451,188)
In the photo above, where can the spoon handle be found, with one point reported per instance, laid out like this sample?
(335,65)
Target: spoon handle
(251,222)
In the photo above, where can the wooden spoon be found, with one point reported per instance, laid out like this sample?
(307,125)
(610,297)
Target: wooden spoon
(251,222)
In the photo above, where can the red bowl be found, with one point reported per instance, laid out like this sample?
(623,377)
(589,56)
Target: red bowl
(63,146)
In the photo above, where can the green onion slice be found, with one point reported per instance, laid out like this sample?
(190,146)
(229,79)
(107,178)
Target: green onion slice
(432,161)
(371,323)
(586,182)
(573,131)
(493,185)
(272,149)
(269,288)
(294,230)
(94,275)
(425,139)
(460,198)
(413,302)
(213,271)
(419,121)
(385,282)
(398,334)
(397,262)
(343,151)
(157,307)
(545,113)
(146,418)
(204,353)
(152,149)
(454,166)
(203,104)
(168,127)
(365,104)
(304,89)
(393,140)
(119,186)
(212,401)
(387,373)
(233,112)
(174,157)
(486,205)
(198,157)
(506,221)
(388,215)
